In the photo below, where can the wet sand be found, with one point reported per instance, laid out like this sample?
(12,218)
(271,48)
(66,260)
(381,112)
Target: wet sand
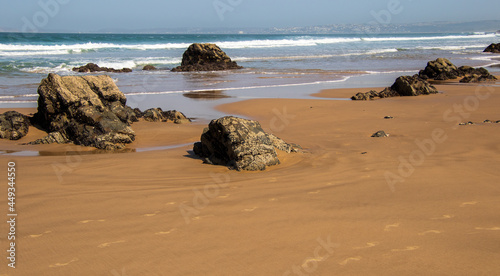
(423,201)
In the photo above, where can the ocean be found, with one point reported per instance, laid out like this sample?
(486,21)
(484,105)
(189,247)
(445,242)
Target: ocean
(285,66)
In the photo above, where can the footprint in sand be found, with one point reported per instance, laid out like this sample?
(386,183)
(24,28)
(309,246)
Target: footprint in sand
(152,215)
(64,264)
(465,204)
(108,244)
(488,229)
(166,233)
(368,245)
(39,235)
(391,226)
(348,260)
(408,248)
(430,232)
(88,221)
(444,217)
(250,209)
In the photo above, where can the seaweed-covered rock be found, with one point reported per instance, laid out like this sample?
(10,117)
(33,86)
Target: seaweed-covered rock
(87,110)
(205,57)
(240,144)
(53,137)
(158,115)
(13,125)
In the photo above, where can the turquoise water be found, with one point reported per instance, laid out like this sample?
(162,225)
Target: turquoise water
(296,62)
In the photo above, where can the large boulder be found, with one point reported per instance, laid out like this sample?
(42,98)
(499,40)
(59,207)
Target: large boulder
(92,67)
(240,144)
(439,69)
(205,57)
(493,48)
(88,110)
(13,125)
(413,86)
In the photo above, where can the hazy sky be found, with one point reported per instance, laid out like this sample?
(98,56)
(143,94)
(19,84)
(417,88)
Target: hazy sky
(95,15)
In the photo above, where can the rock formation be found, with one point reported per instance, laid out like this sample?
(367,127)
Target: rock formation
(13,125)
(92,67)
(403,86)
(443,69)
(493,48)
(88,110)
(240,144)
(158,115)
(205,57)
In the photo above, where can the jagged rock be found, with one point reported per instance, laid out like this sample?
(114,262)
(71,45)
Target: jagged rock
(205,57)
(92,67)
(412,86)
(380,134)
(88,110)
(493,48)
(53,137)
(240,144)
(149,68)
(439,69)
(13,125)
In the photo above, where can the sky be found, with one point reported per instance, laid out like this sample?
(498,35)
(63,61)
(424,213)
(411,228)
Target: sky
(135,15)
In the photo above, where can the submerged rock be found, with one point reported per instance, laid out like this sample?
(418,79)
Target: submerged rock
(149,68)
(87,110)
(13,125)
(240,144)
(92,67)
(205,57)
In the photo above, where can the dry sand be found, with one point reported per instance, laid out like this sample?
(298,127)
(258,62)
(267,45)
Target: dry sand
(329,211)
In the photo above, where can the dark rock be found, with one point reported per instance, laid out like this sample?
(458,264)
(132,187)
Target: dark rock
(440,68)
(13,125)
(404,86)
(240,144)
(487,122)
(205,57)
(53,137)
(149,68)
(413,86)
(478,78)
(138,113)
(92,67)
(493,48)
(154,115)
(83,110)
(379,134)
(176,116)
(388,117)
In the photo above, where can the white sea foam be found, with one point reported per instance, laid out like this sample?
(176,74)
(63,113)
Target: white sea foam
(63,49)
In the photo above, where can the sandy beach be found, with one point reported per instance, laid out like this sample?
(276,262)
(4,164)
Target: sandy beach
(423,201)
